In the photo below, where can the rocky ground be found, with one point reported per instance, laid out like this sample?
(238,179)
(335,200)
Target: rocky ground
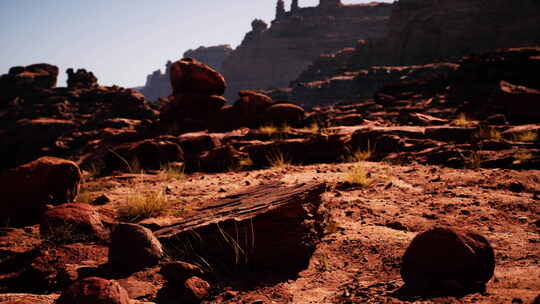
(266,202)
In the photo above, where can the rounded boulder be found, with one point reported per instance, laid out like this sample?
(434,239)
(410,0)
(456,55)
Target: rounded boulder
(442,255)
(94,290)
(190,75)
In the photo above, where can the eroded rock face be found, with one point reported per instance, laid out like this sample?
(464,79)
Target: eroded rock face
(94,290)
(443,255)
(81,79)
(28,188)
(275,56)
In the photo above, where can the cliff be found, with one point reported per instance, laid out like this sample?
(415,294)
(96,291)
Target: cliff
(158,83)
(273,56)
(419,32)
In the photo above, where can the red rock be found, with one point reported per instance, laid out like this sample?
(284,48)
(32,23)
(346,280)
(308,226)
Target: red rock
(28,188)
(133,248)
(196,290)
(448,254)
(148,154)
(94,291)
(179,271)
(522,104)
(284,113)
(82,221)
(190,75)
(81,79)
(220,159)
(250,108)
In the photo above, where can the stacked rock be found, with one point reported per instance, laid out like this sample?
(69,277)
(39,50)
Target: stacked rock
(197,95)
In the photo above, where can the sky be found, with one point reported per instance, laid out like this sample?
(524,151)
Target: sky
(122,41)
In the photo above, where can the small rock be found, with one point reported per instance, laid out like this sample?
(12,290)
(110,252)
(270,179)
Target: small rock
(196,289)
(94,291)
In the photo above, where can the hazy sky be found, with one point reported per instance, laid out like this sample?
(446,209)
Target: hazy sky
(122,41)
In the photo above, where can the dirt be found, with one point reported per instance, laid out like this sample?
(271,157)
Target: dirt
(358,260)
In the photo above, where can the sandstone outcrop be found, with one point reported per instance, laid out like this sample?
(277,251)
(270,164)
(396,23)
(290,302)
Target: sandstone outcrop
(81,79)
(94,290)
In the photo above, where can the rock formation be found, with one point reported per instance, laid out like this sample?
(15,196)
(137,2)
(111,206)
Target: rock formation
(158,83)
(273,57)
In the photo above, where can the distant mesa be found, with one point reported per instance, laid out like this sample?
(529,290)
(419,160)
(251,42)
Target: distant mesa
(271,56)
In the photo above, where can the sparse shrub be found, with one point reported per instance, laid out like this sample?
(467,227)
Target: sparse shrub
(277,159)
(473,160)
(462,120)
(63,234)
(85,196)
(269,130)
(523,155)
(172,171)
(487,132)
(144,203)
(529,136)
(358,176)
(359,155)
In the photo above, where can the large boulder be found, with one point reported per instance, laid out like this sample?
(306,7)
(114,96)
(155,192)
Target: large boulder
(78,222)
(220,159)
(190,75)
(284,114)
(441,256)
(94,290)
(148,154)
(133,248)
(196,289)
(27,189)
(35,76)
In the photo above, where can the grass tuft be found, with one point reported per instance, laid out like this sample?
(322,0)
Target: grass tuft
(529,136)
(144,203)
(358,176)
(462,120)
(488,132)
(269,130)
(277,159)
(172,171)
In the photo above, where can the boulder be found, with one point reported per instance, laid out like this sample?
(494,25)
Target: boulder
(27,189)
(348,120)
(79,222)
(148,154)
(248,111)
(190,75)
(133,248)
(194,106)
(443,255)
(284,114)
(94,290)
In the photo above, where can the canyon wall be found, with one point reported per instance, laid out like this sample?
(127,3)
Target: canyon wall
(271,57)
(419,32)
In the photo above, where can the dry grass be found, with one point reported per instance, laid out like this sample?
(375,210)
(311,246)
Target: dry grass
(462,120)
(269,130)
(85,196)
(359,155)
(277,159)
(63,234)
(358,176)
(172,171)
(473,160)
(523,155)
(529,136)
(314,128)
(488,132)
(142,203)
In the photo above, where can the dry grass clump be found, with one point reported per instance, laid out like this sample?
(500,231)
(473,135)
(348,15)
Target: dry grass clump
(523,155)
(277,159)
(142,203)
(488,132)
(529,136)
(269,130)
(172,171)
(462,120)
(358,175)
(359,155)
